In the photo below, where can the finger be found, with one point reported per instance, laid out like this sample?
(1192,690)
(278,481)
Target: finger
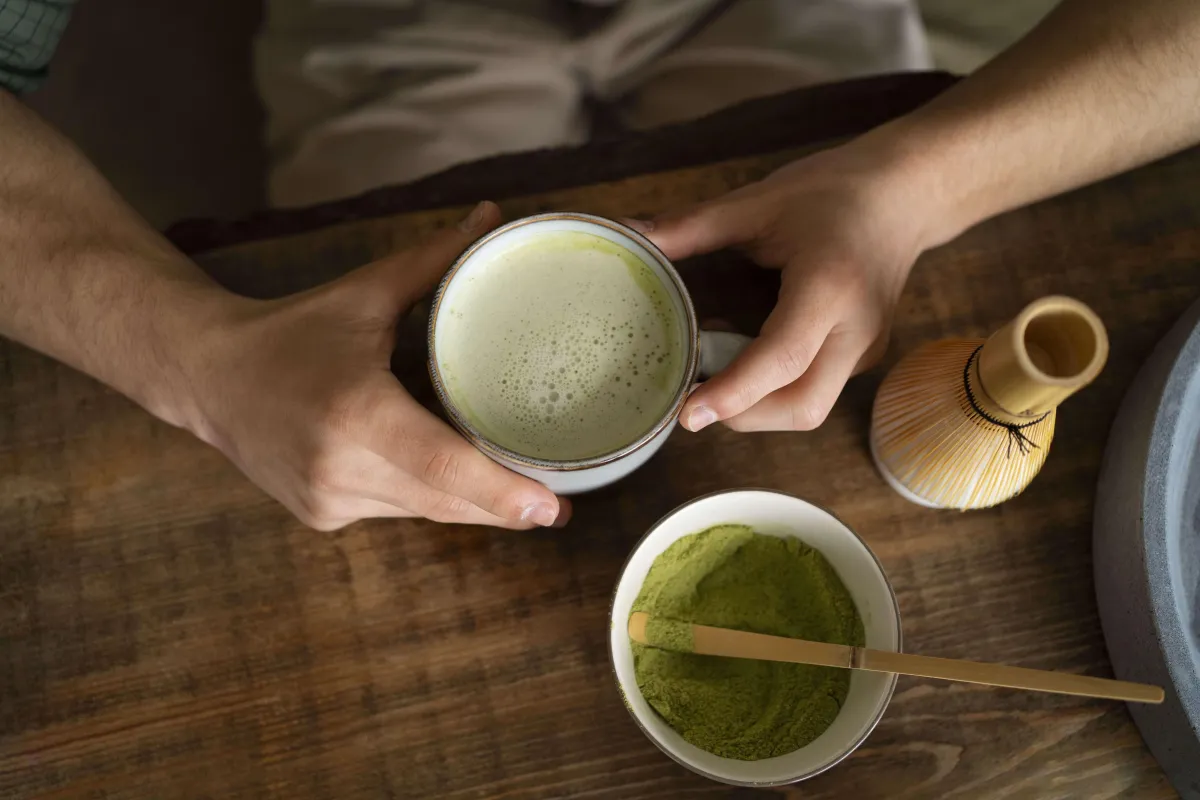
(366,508)
(410,274)
(804,404)
(356,509)
(786,346)
(443,507)
(704,228)
(394,492)
(448,511)
(425,448)
(356,500)
(439,507)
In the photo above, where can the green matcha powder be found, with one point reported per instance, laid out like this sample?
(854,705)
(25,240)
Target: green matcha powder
(731,577)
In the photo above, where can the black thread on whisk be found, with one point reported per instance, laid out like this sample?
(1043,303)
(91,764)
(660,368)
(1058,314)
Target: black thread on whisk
(1016,433)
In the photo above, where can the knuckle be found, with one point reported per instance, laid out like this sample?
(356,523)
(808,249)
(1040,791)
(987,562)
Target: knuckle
(318,513)
(792,359)
(338,416)
(325,473)
(734,398)
(343,411)
(807,416)
(448,508)
(745,396)
(505,504)
(441,469)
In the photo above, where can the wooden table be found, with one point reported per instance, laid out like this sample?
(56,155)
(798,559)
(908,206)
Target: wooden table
(168,630)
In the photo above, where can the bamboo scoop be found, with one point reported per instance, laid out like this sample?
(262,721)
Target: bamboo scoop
(683,637)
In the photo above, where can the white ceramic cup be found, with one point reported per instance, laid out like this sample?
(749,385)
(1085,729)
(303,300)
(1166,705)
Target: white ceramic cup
(781,515)
(708,352)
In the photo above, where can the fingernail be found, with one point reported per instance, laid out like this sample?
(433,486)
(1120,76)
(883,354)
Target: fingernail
(639,225)
(474,219)
(699,418)
(540,514)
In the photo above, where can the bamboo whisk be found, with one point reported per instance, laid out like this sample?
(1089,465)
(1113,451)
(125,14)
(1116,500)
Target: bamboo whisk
(967,423)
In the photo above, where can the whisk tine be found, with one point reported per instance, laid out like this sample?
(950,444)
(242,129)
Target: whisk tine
(968,423)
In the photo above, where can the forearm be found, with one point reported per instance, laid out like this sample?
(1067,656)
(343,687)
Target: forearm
(88,282)
(1101,86)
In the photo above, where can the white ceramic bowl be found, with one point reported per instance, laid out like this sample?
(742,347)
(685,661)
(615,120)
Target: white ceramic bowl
(779,515)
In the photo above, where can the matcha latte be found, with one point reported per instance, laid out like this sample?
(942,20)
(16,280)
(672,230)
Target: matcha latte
(564,346)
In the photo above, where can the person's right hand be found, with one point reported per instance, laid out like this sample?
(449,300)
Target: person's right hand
(845,234)
(298,393)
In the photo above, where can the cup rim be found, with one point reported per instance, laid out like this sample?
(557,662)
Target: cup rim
(477,438)
(612,656)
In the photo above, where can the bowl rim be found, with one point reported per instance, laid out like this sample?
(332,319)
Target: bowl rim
(612,656)
(672,282)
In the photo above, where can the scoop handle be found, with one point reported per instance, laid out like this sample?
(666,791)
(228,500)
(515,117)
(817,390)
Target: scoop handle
(1035,680)
(710,641)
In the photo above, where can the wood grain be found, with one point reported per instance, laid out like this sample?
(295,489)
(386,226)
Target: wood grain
(166,630)
(755,127)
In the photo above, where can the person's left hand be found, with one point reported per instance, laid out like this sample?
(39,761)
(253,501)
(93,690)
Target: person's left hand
(299,394)
(845,232)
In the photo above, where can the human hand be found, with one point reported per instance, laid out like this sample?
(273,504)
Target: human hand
(298,393)
(845,234)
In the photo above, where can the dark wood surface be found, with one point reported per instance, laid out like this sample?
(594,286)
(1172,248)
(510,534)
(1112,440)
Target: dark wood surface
(167,630)
(766,125)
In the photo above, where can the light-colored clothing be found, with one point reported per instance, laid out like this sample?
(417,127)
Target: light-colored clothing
(30,31)
(365,93)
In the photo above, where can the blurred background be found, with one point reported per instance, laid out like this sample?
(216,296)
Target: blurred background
(162,97)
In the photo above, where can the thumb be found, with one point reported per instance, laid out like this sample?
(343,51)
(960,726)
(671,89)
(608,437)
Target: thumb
(410,274)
